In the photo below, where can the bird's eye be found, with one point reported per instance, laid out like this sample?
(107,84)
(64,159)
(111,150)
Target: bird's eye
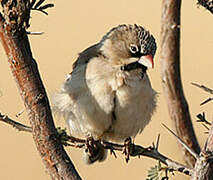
(133,48)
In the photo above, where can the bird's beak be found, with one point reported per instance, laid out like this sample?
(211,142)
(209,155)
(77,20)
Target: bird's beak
(147,61)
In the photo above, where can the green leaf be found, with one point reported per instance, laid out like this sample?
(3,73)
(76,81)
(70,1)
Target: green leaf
(153,173)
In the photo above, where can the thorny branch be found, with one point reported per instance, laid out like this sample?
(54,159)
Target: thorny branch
(135,150)
(208,4)
(203,168)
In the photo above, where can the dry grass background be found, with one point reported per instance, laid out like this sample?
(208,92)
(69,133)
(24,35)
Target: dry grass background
(71,27)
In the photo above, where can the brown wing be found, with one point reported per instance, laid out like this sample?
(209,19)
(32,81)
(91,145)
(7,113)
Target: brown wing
(85,56)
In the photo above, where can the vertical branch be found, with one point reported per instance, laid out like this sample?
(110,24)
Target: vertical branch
(171,78)
(24,68)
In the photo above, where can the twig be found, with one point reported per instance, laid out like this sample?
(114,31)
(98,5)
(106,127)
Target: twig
(15,124)
(203,87)
(135,150)
(202,118)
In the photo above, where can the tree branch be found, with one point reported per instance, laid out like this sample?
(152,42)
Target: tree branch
(203,169)
(171,78)
(135,150)
(15,124)
(24,68)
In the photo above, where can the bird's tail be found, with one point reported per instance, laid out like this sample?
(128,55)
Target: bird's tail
(98,154)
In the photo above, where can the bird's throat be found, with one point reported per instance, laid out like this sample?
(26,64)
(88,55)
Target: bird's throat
(133,66)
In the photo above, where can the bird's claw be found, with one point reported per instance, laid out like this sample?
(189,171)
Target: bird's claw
(112,152)
(127,148)
(90,146)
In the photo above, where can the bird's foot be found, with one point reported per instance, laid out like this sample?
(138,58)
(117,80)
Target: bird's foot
(127,148)
(94,151)
(112,152)
(90,146)
(63,136)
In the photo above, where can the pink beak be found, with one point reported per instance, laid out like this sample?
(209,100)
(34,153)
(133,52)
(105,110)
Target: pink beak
(147,61)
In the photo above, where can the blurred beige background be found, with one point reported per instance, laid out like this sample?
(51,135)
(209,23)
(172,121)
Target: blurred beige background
(71,27)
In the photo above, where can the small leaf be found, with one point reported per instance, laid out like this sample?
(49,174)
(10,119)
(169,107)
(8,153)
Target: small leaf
(153,173)
(46,6)
(32,3)
(39,3)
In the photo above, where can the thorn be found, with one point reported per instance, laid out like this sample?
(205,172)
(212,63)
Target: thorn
(191,151)
(20,113)
(153,145)
(206,101)
(112,152)
(34,33)
(126,150)
(157,143)
(205,127)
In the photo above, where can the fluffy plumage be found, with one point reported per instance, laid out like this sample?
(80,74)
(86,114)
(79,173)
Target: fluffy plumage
(108,95)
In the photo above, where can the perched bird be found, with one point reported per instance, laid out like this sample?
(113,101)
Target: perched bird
(108,95)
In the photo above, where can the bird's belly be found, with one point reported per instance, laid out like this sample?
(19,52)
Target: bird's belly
(134,107)
(90,118)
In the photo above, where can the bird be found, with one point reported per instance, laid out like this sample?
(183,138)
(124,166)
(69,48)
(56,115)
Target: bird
(108,95)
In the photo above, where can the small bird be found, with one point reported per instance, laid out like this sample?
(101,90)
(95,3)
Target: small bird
(108,95)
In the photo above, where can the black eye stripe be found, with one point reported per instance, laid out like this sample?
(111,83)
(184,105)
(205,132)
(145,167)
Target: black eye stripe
(137,54)
(133,66)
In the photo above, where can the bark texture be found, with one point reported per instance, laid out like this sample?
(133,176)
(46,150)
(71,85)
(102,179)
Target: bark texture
(203,169)
(171,77)
(24,68)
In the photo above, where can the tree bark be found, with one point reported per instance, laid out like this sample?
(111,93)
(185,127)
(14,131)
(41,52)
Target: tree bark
(203,169)
(171,78)
(25,71)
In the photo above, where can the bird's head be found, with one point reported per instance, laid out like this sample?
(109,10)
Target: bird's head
(127,44)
